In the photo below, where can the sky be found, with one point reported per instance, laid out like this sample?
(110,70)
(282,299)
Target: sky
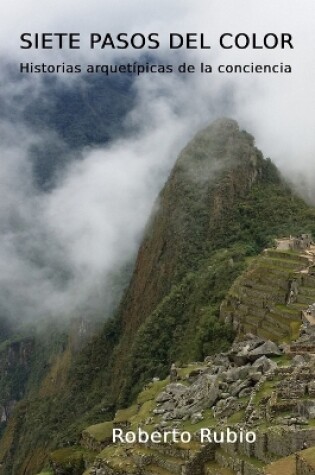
(58,249)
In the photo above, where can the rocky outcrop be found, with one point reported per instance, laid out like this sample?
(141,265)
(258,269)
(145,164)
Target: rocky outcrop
(254,386)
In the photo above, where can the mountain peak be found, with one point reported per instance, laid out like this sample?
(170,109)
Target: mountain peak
(224,123)
(216,169)
(220,145)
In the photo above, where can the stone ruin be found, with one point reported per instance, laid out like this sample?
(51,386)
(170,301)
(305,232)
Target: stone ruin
(300,243)
(292,402)
(305,344)
(227,379)
(270,387)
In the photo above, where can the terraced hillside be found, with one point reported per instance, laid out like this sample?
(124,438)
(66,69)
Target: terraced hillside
(267,300)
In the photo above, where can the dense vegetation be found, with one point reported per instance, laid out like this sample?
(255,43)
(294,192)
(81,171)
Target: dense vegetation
(185,325)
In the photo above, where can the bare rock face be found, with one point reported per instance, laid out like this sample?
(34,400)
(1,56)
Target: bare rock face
(264,364)
(239,352)
(269,348)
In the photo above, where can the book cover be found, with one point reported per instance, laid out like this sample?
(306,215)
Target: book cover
(157,255)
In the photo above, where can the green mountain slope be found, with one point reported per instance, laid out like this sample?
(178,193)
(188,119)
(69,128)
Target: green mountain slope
(222,204)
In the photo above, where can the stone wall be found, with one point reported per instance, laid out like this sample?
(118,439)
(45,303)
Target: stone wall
(237,464)
(196,466)
(277,442)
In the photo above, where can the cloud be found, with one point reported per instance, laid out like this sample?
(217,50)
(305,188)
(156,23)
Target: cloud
(58,249)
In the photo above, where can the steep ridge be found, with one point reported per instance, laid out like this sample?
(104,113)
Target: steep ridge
(222,204)
(217,167)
